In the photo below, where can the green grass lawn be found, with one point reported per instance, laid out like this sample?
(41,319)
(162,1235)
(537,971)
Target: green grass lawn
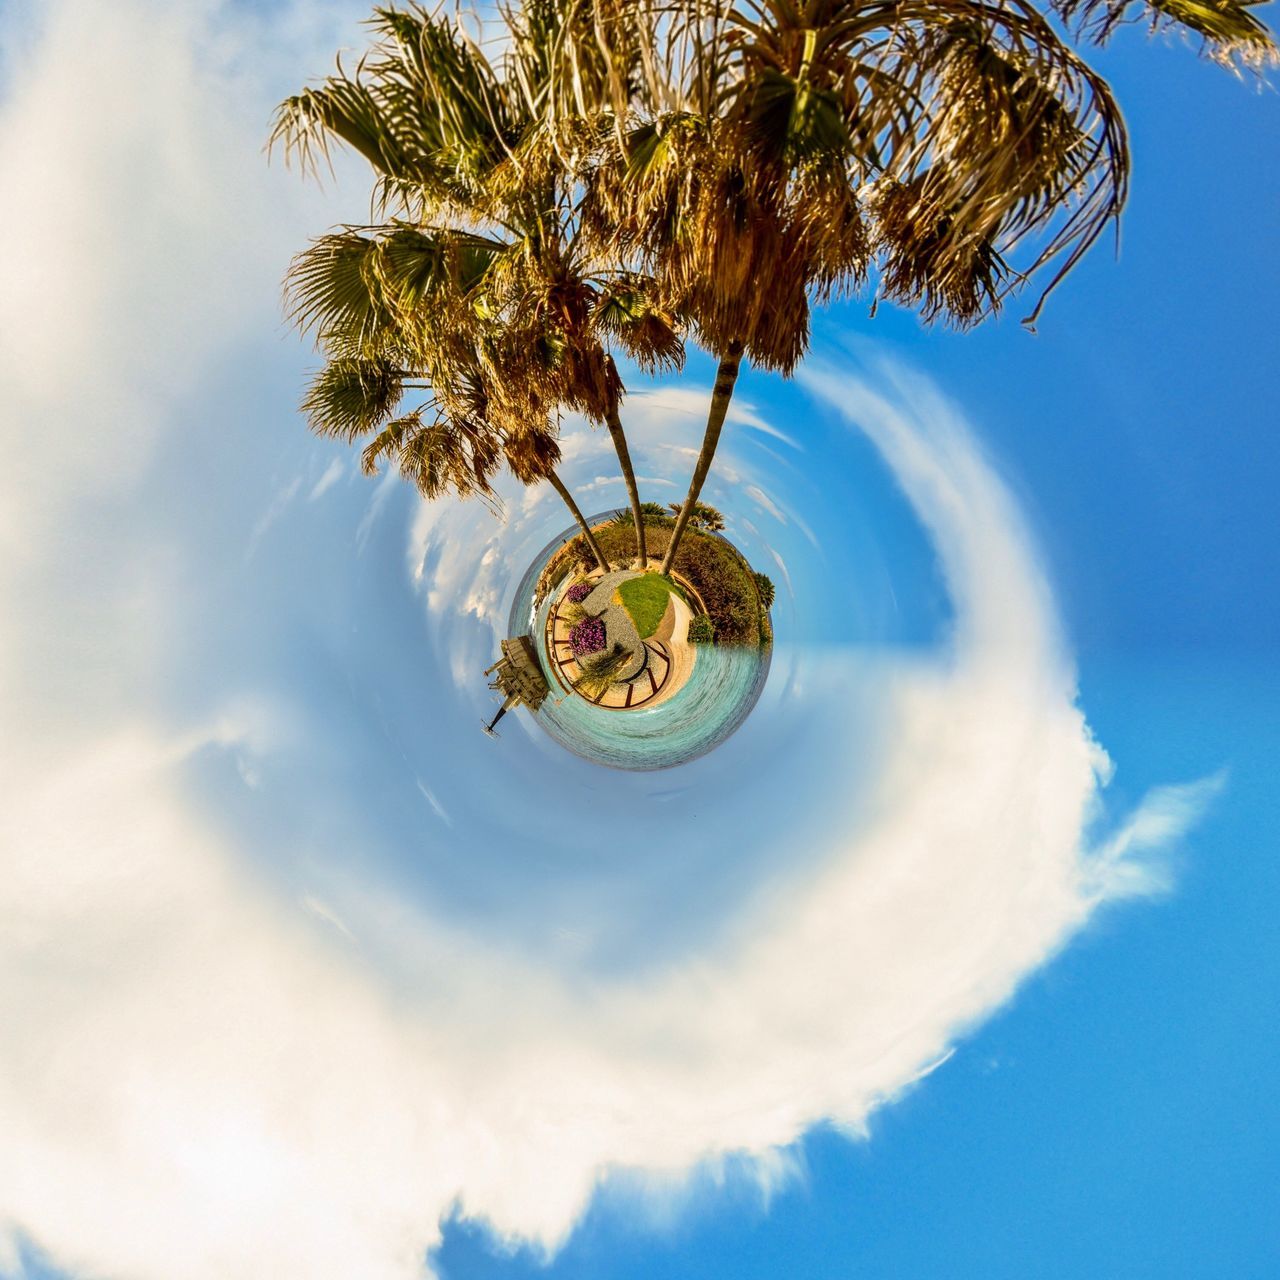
(645,599)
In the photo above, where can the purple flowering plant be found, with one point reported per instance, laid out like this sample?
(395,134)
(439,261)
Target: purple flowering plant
(579,592)
(587,637)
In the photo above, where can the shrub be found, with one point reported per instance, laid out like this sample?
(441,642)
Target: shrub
(648,511)
(599,671)
(587,637)
(703,516)
(765,587)
(579,592)
(719,577)
(702,630)
(581,554)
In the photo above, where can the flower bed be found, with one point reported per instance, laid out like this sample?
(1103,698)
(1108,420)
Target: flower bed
(579,592)
(587,637)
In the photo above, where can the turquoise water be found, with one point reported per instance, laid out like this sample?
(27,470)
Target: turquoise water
(718,697)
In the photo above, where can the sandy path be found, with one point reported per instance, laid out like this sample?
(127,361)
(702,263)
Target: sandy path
(673,631)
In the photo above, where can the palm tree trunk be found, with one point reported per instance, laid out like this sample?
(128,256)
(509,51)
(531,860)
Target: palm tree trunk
(726,377)
(558,485)
(614,423)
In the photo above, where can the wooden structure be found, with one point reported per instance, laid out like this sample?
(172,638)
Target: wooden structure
(518,675)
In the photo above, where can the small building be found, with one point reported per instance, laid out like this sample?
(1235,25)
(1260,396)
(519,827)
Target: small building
(518,675)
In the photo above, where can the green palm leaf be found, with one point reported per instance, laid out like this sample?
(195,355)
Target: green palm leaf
(349,398)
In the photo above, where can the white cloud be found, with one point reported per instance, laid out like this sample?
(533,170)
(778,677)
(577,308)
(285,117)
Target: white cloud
(436,807)
(209,1079)
(597,483)
(332,474)
(327,914)
(764,502)
(231,1093)
(782,569)
(127,262)
(1134,862)
(277,507)
(658,411)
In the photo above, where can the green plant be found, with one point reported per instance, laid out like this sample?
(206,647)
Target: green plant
(475,294)
(765,587)
(649,511)
(702,630)
(598,672)
(723,583)
(701,517)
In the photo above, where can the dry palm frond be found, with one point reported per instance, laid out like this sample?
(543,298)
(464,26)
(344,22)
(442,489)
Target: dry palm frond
(1232,35)
(589,381)
(532,452)
(930,259)
(440,457)
(829,232)
(649,333)
(389,442)
(1015,137)
(572,59)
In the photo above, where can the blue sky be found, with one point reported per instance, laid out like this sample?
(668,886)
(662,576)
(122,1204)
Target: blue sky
(280,960)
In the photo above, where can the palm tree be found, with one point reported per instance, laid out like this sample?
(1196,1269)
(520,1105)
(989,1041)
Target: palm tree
(701,517)
(459,143)
(776,153)
(394,313)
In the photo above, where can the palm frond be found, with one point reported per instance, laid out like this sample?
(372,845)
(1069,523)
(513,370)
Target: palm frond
(441,456)
(1231,34)
(627,311)
(340,108)
(349,398)
(930,259)
(438,84)
(331,288)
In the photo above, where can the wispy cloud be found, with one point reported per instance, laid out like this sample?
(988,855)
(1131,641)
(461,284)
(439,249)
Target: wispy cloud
(327,914)
(332,474)
(279,504)
(436,807)
(764,502)
(1134,861)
